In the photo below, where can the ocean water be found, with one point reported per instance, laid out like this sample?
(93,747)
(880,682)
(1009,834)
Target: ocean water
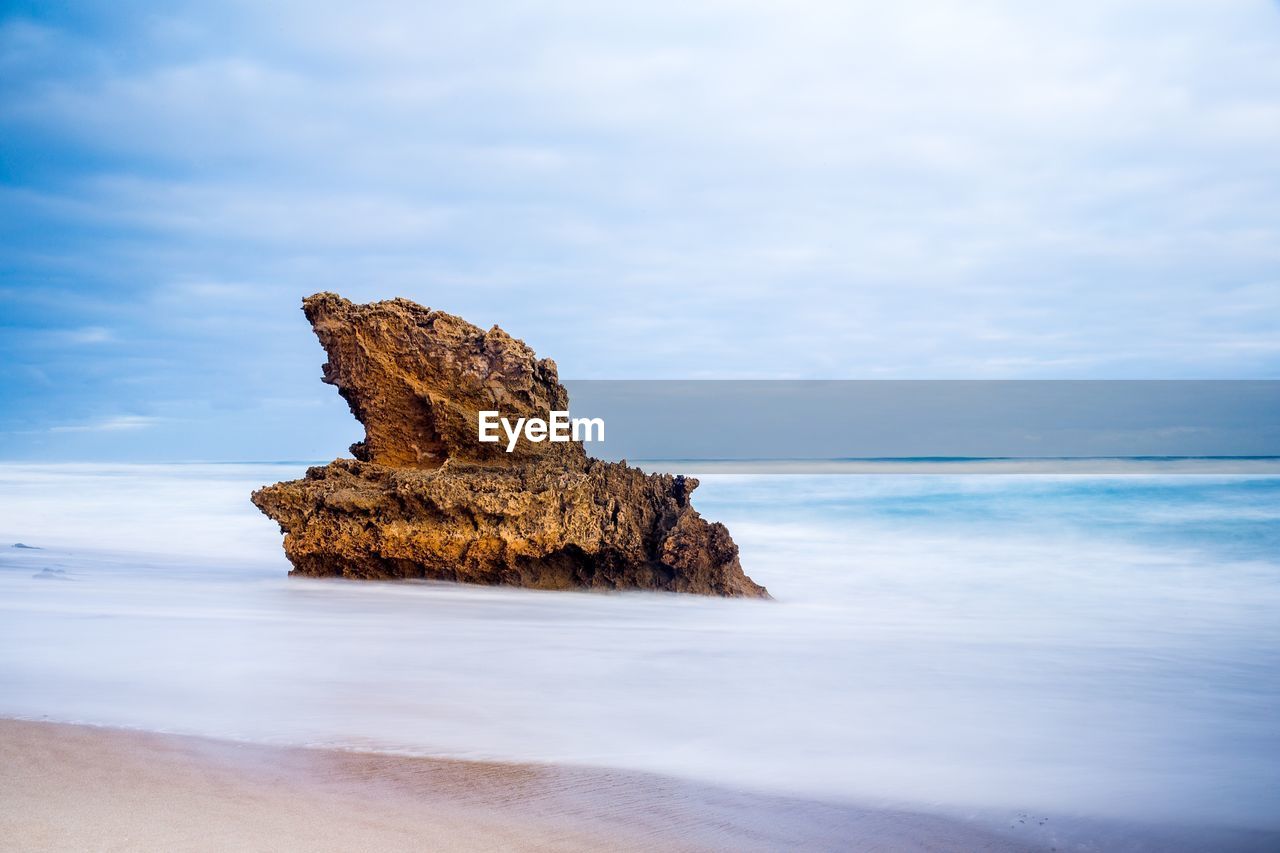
(1097,645)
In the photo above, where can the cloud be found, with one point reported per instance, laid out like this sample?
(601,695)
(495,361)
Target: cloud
(87,335)
(802,189)
(117,423)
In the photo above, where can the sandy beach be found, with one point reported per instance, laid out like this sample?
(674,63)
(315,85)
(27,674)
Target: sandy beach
(67,787)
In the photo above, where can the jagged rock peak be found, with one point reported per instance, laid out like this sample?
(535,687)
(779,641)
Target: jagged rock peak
(417,379)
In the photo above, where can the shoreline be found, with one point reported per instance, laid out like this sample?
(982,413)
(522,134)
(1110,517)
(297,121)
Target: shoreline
(67,786)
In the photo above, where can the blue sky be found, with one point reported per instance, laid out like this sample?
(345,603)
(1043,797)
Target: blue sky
(758,189)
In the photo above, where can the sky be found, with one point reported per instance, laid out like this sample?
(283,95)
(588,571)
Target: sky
(926,189)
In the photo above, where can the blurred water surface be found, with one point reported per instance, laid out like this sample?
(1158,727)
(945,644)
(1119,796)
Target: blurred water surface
(1095,645)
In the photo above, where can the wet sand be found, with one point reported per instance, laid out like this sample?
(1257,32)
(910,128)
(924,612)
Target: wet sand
(68,787)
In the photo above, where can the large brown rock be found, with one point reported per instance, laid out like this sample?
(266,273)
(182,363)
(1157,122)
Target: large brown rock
(424,498)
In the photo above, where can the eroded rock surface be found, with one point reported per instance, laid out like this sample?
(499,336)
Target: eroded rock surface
(425,499)
(417,378)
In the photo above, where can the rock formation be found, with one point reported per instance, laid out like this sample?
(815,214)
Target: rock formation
(424,498)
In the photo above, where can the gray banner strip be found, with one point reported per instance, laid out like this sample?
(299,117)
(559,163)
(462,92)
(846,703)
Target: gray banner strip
(872,426)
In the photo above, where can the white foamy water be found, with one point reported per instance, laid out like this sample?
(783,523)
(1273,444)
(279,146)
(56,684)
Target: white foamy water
(1099,646)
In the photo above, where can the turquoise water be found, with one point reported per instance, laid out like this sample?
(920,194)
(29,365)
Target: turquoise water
(1225,517)
(1101,646)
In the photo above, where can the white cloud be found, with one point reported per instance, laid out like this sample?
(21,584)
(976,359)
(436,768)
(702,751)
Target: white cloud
(116,423)
(85,336)
(936,188)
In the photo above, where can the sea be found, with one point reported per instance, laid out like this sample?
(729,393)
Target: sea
(1095,640)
